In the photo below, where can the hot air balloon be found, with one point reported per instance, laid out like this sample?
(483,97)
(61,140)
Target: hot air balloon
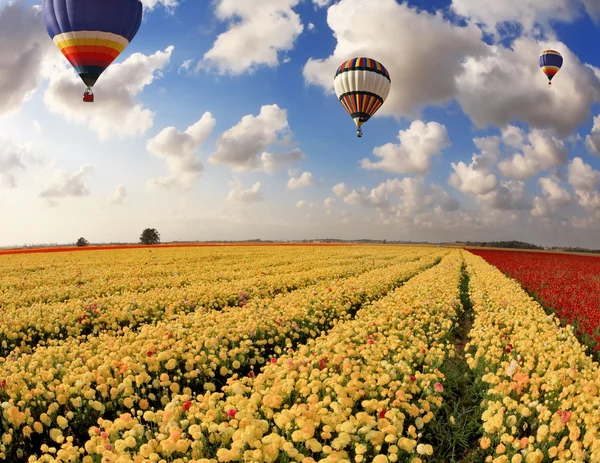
(550,61)
(91,33)
(362,85)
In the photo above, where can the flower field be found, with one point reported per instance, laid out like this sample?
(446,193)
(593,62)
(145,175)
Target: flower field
(567,284)
(281,354)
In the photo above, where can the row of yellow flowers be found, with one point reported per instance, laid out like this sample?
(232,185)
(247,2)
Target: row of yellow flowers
(66,387)
(362,393)
(52,277)
(541,391)
(27,327)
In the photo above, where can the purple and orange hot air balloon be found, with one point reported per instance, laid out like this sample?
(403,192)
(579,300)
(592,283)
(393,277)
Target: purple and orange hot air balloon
(550,61)
(91,33)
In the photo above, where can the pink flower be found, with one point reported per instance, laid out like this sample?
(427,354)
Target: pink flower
(438,387)
(371,341)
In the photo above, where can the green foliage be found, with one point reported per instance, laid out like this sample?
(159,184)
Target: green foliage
(150,236)
(82,242)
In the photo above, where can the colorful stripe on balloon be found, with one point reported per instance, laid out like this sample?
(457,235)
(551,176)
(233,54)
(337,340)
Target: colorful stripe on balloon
(361,104)
(363,64)
(87,49)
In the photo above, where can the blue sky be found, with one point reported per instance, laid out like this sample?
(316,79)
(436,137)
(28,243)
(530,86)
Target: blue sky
(465,82)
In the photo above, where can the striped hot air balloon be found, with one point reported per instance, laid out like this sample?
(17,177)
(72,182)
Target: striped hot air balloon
(91,33)
(550,61)
(362,85)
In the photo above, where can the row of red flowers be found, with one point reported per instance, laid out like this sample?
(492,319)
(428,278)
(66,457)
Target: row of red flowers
(568,284)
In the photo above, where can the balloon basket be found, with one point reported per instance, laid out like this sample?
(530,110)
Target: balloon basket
(88,98)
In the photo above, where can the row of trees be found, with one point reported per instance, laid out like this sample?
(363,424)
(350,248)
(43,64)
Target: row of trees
(148,236)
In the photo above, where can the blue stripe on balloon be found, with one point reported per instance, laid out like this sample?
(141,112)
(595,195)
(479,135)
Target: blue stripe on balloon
(121,17)
(551,59)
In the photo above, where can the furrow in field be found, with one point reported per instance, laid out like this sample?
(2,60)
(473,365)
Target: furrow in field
(540,389)
(364,392)
(80,381)
(29,327)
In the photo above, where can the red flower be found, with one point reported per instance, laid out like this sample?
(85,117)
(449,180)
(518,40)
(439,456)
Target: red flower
(3,384)
(187,405)
(413,378)
(273,361)
(322,363)
(382,414)
(231,413)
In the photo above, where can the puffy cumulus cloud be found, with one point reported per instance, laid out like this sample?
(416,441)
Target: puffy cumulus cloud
(328,205)
(14,158)
(63,184)
(582,176)
(418,144)
(341,189)
(321,3)
(477,180)
(242,147)
(244,195)
(592,141)
(300,204)
(527,13)
(25,52)
(584,180)
(553,197)
(401,201)
(422,51)
(506,84)
(178,149)
(541,151)
(256,35)
(115,112)
(306,179)
(118,195)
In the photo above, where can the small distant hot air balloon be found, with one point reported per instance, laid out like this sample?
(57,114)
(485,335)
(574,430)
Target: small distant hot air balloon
(362,85)
(91,33)
(550,61)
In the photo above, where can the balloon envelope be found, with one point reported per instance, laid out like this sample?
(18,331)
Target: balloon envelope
(550,62)
(91,33)
(362,85)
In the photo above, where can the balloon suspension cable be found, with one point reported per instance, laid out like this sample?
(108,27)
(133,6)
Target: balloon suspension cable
(359,133)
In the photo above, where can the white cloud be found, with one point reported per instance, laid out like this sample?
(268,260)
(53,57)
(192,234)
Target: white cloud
(167,4)
(118,195)
(541,152)
(256,36)
(328,203)
(25,51)
(378,197)
(478,180)
(507,85)
(527,13)
(340,189)
(185,66)
(418,144)
(241,195)
(300,204)
(178,149)
(115,112)
(14,157)
(306,179)
(582,176)
(321,3)
(592,141)
(63,184)
(242,147)
(422,51)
